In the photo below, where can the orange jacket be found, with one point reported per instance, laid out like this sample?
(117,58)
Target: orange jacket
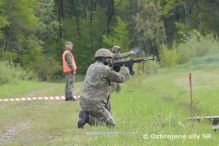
(66,67)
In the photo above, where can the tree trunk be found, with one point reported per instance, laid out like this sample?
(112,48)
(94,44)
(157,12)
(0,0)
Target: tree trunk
(60,17)
(186,14)
(76,17)
(110,13)
(91,22)
(199,16)
(95,5)
(85,8)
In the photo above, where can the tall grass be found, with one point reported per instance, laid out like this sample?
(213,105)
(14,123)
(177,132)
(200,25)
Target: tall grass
(147,104)
(194,49)
(168,57)
(10,72)
(197,45)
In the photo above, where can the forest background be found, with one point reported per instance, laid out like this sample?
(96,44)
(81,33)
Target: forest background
(32,33)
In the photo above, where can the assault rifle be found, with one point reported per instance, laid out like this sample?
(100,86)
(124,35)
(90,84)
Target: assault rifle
(128,63)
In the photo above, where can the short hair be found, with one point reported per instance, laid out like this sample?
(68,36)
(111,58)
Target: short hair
(68,43)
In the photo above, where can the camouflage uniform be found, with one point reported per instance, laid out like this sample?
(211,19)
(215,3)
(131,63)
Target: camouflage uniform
(96,91)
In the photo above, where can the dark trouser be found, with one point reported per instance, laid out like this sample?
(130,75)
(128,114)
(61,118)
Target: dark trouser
(69,85)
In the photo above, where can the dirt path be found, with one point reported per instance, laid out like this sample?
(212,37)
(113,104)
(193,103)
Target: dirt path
(12,131)
(19,130)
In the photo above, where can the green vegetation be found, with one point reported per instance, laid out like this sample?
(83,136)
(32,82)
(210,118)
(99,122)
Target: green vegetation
(147,104)
(195,48)
(35,88)
(168,57)
(32,33)
(119,36)
(19,88)
(12,73)
(182,34)
(197,45)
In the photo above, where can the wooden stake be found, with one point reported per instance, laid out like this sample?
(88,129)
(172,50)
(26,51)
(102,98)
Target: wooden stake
(190,85)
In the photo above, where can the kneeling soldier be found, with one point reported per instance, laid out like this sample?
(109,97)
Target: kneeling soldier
(96,90)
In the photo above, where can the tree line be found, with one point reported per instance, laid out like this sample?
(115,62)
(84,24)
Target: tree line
(32,33)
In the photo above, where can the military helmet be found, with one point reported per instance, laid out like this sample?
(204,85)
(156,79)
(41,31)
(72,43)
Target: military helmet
(103,53)
(115,48)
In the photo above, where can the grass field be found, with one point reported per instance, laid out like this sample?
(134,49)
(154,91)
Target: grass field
(148,111)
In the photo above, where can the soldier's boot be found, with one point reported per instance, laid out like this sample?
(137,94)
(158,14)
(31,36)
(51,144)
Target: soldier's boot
(70,98)
(83,119)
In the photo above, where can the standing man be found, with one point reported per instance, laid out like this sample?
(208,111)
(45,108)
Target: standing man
(97,89)
(69,69)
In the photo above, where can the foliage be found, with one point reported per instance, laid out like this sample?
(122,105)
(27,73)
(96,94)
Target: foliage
(119,36)
(168,57)
(11,72)
(85,30)
(196,45)
(149,25)
(181,31)
(47,68)
(151,67)
(47,22)
(30,30)
(7,55)
(19,33)
(47,27)
(3,19)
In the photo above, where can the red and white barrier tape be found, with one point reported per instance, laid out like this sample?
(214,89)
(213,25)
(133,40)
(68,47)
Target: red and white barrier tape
(36,98)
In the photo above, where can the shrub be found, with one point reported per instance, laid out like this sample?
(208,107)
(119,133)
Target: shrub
(47,68)
(203,62)
(148,67)
(197,45)
(168,57)
(10,72)
(7,55)
(119,36)
(151,67)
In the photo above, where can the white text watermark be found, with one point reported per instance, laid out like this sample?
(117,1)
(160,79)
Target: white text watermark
(193,136)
